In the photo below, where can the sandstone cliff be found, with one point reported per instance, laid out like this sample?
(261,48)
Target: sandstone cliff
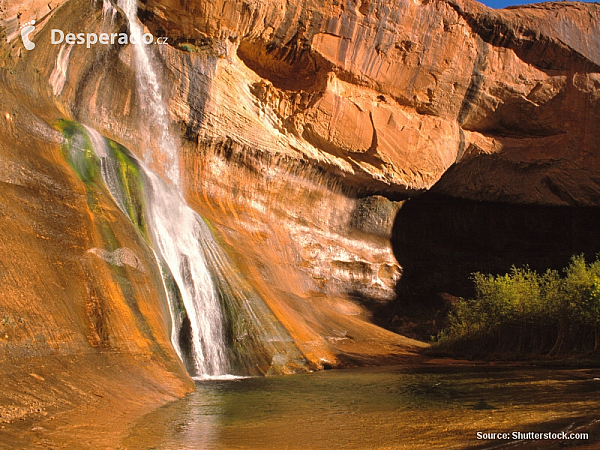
(306,133)
(393,94)
(394,98)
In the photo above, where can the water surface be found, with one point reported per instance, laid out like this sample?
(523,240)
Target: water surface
(374,408)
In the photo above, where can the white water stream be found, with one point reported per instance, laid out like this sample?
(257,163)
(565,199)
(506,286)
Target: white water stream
(154,108)
(175,229)
(177,234)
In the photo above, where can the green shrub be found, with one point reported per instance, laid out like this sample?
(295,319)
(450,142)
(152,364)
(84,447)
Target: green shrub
(523,312)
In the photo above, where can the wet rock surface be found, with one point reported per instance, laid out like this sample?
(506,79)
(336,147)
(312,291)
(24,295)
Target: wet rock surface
(307,132)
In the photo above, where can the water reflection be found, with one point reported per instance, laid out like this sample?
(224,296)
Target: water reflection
(371,408)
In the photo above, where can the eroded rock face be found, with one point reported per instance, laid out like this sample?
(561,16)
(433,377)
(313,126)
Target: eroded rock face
(84,323)
(394,99)
(397,92)
(302,237)
(302,127)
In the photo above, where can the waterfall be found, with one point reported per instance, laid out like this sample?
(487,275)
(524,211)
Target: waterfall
(174,229)
(152,103)
(221,325)
(177,234)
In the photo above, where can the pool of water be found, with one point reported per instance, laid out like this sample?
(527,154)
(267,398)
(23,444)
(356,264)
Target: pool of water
(375,408)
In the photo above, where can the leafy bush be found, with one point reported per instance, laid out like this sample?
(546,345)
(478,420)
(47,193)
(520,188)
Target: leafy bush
(524,312)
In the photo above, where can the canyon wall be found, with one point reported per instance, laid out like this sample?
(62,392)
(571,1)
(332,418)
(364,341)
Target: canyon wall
(84,323)
(390,95)
(479,127)
(347,156)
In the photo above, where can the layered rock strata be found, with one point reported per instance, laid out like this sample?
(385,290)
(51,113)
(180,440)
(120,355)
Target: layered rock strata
(306,132)
(392,94)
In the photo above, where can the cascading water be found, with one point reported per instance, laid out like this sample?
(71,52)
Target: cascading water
(176,232)
(153,106)
(220,324)
(175,229)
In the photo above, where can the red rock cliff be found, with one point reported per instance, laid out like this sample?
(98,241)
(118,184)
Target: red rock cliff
(302,127)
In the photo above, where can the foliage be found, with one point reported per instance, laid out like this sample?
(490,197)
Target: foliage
(190,48)
(523,312)
(78,151)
